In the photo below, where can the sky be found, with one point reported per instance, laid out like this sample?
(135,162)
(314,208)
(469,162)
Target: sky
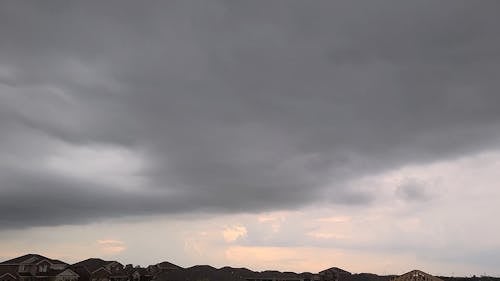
(289,135)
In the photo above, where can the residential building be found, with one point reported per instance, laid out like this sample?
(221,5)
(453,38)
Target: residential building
(94,269)
(9,273)
(34,267)
(416,275)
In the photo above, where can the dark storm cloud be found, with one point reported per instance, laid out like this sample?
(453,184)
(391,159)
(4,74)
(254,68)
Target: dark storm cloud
(238,106)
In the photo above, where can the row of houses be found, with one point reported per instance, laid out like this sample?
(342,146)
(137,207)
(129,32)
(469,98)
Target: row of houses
(331,274)
(33,267)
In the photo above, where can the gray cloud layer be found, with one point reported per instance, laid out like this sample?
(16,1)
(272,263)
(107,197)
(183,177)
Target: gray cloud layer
(237,106)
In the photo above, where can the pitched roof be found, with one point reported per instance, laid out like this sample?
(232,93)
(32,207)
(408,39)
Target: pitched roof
(416,275)
(336,269)
(103,269)
(67,270)
(120,272)
(274,274)
(9,269)
(31,258)
(241,271)
(82,272)
(141,270)
(199,273)
(7,274)
(115,262)
(166,264)
(91,264)
(55,272)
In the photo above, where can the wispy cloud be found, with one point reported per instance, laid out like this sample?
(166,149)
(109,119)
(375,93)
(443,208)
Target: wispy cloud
(111,246)
(233,233)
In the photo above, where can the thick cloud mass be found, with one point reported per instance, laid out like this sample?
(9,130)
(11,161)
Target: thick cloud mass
(231,106)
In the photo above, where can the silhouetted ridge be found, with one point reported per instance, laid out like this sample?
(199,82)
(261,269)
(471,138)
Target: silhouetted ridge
(34,267)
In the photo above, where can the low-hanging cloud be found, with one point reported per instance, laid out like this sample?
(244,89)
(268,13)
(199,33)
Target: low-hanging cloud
(234,106)
(413,190)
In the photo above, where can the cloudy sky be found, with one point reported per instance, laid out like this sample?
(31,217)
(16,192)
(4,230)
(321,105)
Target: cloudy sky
(292,135)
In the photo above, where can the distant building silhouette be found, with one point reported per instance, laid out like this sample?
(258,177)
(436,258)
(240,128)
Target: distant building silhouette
(33,267)
(94,269)
(416,275)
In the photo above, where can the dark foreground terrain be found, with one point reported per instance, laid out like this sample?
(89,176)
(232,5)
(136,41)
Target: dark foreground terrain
(34,267)
(208,273)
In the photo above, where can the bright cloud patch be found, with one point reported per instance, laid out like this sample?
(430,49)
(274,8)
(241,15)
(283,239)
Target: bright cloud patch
(111,246)
(233,233)
(105,164)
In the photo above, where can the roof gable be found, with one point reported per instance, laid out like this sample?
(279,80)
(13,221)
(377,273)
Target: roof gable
(43,261)
(91,264)
(141,271)
(169,265)
(12,269)
(113,263)
(8,274)
(20,259)
(68,272)
(101,269)
(417,275)
(83,272)
(31,259)
(335,269)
